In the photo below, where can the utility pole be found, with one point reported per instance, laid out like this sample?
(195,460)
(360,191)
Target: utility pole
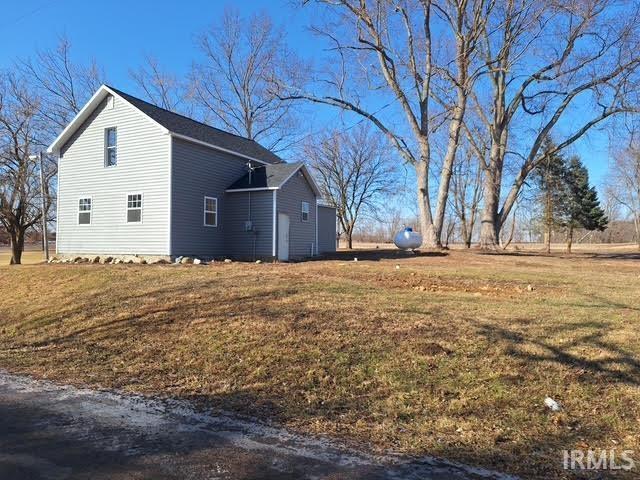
(43,205)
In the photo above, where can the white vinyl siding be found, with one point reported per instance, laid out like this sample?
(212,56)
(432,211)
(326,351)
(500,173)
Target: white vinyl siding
(143,166)
(210,212)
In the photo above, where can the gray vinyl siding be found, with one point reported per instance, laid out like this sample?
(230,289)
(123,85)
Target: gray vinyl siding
(289,200)
(143,167)
(199,171)
(326,229)
(257,207)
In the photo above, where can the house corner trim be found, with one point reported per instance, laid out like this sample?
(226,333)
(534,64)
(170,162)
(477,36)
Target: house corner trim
(274,239)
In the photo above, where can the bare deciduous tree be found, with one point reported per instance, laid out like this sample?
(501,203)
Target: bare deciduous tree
(231,86)
(545,61)
(62,85)
(466,191)
(354,172)
(19,171)
(388,47)
(161,87)
(624,184)
(505,241)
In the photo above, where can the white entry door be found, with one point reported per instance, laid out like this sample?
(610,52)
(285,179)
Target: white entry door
(283,237)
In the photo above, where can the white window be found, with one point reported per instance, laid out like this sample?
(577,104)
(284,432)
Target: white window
(84,211)
(305,211)
(110,147)
(210,212)
(134,208)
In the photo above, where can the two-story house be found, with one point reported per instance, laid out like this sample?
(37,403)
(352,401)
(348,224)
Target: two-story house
(134,178)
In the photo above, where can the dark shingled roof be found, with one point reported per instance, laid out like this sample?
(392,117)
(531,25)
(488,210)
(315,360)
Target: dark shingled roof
(188,127)
(266,176)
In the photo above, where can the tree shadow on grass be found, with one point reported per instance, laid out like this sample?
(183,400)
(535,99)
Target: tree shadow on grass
(151,316)
(619,367)
(615,364)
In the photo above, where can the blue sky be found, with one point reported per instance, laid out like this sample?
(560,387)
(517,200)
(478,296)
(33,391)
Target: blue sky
(119,34)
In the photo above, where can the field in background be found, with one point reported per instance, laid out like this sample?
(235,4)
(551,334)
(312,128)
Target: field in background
(29,257)
(524,247)
(442,354)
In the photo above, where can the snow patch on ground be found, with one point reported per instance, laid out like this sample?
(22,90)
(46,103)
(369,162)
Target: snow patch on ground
(149,415)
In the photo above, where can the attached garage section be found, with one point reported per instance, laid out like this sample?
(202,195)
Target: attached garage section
(327,232)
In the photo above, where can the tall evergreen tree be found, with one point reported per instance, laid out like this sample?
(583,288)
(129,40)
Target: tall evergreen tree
(581,206)
(550,181)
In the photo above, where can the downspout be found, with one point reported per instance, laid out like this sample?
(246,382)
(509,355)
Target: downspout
(274,224)
(316,220)
(252,232)
(58,200)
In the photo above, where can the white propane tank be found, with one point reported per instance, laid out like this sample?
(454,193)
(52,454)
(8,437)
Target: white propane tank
(407,239)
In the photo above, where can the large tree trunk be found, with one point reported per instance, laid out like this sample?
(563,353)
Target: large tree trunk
(548,215)
(547,239)
(17,246)
(447,165)
(569,238)
(512,232)
(490,219)
(429,237)
(465,232)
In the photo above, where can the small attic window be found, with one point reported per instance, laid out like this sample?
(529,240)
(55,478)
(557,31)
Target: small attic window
(110,147)
(111,102)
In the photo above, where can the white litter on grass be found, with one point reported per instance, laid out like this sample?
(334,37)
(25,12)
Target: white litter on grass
(552,404)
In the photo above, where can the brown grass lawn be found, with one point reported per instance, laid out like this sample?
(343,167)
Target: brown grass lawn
(446,355)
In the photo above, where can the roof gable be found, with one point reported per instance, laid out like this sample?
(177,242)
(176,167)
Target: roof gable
(272,177)
(173,124)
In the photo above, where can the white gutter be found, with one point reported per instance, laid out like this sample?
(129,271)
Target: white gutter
(257,189)
(215,147)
